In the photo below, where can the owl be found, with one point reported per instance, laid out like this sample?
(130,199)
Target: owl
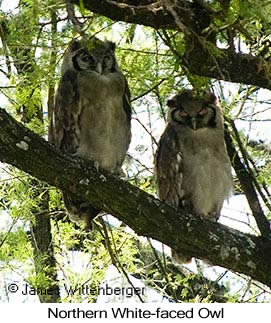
(192,167)
(92,114)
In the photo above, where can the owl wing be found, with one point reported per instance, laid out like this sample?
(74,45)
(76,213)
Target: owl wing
(64,130)
(64,133)
(168,168)
(169,179)
(127,101)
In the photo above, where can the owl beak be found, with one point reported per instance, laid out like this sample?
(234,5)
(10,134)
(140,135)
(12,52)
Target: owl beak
(194,123)
(99,68)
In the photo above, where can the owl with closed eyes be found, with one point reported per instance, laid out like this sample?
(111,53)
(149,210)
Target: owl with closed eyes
(192,167)
(92,113)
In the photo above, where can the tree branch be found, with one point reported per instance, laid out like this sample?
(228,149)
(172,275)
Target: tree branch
(202,57)
(247,184)
(134,12)
(146,215)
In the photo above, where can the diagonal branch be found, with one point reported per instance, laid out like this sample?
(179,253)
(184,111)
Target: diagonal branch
(145,214)
(247,184)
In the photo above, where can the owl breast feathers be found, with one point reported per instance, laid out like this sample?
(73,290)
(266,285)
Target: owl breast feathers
(192,168)
(92,113)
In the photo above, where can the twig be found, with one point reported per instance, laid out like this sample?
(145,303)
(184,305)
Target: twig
(163,270)
(247,159)
(246,290)
(202,41)
(258,112)
(174,14)
(148,91)
(144,127)
(144,52)
(244,99)
(254,120)
(150,170)
(9,230)
(78,26)
(114,259)
(247,182)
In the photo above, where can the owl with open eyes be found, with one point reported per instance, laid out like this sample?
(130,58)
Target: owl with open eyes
(92,113)
(192,167)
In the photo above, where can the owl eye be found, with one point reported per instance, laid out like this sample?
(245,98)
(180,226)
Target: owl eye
(108,63)
(107,59)
(179,115)
(203,111)
(183,114)
(86,58)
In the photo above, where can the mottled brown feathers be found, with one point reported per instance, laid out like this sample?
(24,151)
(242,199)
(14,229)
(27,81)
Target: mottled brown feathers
(192,168)
(92,113)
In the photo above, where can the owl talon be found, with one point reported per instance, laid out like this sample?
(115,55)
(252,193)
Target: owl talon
(122,174)
(97,166)
(180,258)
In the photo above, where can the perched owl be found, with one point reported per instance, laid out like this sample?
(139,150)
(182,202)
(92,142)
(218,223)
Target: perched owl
(92,113)
(192,168)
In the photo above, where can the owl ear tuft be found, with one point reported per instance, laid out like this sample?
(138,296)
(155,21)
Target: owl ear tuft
(171,103)
(210,98)
(75,45)
(111,45)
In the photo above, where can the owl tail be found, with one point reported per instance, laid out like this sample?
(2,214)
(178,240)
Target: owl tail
(180,258)
(80,211)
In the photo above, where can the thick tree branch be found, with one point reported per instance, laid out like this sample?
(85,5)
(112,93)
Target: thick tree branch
(148,13)
(204,239)
(228,66)
(201,58)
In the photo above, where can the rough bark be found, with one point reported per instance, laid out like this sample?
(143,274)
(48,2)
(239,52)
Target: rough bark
(146,12)
(204,239)
(45,261)
(202,57)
